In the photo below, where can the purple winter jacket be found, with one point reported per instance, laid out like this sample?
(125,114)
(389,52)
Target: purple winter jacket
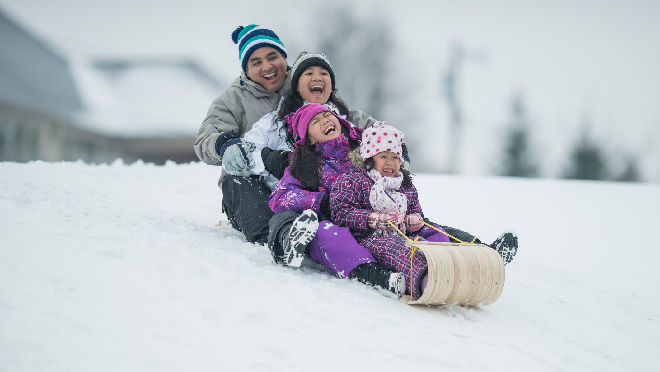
(350,206)
(289,193)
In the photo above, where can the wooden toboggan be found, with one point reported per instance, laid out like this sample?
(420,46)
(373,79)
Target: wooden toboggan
(459,273)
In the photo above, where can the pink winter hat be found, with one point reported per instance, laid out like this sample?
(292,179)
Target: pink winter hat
(299,120)
(381,137)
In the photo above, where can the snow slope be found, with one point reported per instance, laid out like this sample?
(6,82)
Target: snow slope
(122,268)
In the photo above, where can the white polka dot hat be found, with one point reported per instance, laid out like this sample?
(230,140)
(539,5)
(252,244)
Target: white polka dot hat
(381,137)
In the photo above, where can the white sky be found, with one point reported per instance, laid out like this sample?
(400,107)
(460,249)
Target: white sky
(575,62)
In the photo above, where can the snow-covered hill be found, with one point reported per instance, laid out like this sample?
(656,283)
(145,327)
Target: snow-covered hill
(122,268)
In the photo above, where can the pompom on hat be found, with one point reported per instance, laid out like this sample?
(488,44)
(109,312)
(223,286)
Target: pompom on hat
(381,137)
(299,120)
(253,37)
(306,60)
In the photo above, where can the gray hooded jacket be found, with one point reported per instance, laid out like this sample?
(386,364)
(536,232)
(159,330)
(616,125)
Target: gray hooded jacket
(237,109)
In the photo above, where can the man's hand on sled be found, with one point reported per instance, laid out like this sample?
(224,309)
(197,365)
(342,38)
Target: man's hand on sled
(237,159)
(382,220)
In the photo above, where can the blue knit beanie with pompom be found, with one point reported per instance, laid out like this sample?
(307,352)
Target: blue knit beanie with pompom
(253,37)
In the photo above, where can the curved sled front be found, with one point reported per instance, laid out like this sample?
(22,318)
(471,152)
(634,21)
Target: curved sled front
(464,274)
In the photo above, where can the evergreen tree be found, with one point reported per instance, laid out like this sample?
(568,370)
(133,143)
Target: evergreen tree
(630,171)
(450,84)
(587,160)
(519,159)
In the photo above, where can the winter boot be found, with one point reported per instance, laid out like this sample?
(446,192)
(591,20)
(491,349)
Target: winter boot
(375,275)
(507,246)
(302,232)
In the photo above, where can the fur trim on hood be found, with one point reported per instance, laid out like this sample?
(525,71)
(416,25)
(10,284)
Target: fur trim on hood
(355,158)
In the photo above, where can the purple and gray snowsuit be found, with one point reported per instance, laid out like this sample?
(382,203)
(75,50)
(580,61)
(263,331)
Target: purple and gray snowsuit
(333,246)
(350,206)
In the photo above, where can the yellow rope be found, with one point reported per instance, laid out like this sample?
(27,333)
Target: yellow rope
(412,253)
(453,237)
(395,228)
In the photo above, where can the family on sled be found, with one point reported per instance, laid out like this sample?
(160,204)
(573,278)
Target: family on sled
(314,179)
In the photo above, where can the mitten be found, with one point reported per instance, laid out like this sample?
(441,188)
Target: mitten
(237,159)
(414,222)
(380,220)
(275,161)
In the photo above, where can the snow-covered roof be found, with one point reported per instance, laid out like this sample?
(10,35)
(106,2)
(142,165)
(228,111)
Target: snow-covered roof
(144,96)
(116,95)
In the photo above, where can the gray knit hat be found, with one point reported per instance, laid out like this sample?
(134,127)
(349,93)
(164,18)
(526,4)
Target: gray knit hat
(306,60)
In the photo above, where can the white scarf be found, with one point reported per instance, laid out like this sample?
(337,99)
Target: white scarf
(386,198)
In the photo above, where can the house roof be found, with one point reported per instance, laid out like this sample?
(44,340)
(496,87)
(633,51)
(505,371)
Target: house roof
(33,75)
(145,96)
(118,95)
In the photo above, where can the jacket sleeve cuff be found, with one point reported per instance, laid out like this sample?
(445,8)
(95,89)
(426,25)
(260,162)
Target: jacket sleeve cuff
(225,140)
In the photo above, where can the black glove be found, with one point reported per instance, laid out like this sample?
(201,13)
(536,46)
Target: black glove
(275,161)
(325,207)
(404,152)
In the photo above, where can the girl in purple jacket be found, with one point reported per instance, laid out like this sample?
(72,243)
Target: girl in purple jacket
(320,154)
(378,202)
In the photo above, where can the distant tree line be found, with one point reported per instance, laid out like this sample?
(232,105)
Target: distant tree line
(587,159)
(361,54)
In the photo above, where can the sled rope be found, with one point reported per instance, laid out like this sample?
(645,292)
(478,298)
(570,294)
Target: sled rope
(412,253)
(395,228)
(434,228)
(402,234)
(450,236)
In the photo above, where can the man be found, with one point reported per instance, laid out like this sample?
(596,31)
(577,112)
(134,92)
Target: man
(256,92)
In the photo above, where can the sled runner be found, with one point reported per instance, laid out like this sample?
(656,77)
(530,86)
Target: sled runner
(465,274)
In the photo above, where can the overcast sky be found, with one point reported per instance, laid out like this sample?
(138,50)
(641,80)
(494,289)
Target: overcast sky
(575,62)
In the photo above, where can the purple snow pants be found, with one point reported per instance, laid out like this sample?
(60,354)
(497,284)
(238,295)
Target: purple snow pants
(336,249)
(432,235)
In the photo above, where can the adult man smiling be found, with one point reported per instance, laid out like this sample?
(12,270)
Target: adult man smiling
(263,80)
(266,66)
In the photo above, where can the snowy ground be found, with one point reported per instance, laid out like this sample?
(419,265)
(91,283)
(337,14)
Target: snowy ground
(122,268)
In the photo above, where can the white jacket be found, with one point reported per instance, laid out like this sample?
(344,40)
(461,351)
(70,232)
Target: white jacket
(266,132)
